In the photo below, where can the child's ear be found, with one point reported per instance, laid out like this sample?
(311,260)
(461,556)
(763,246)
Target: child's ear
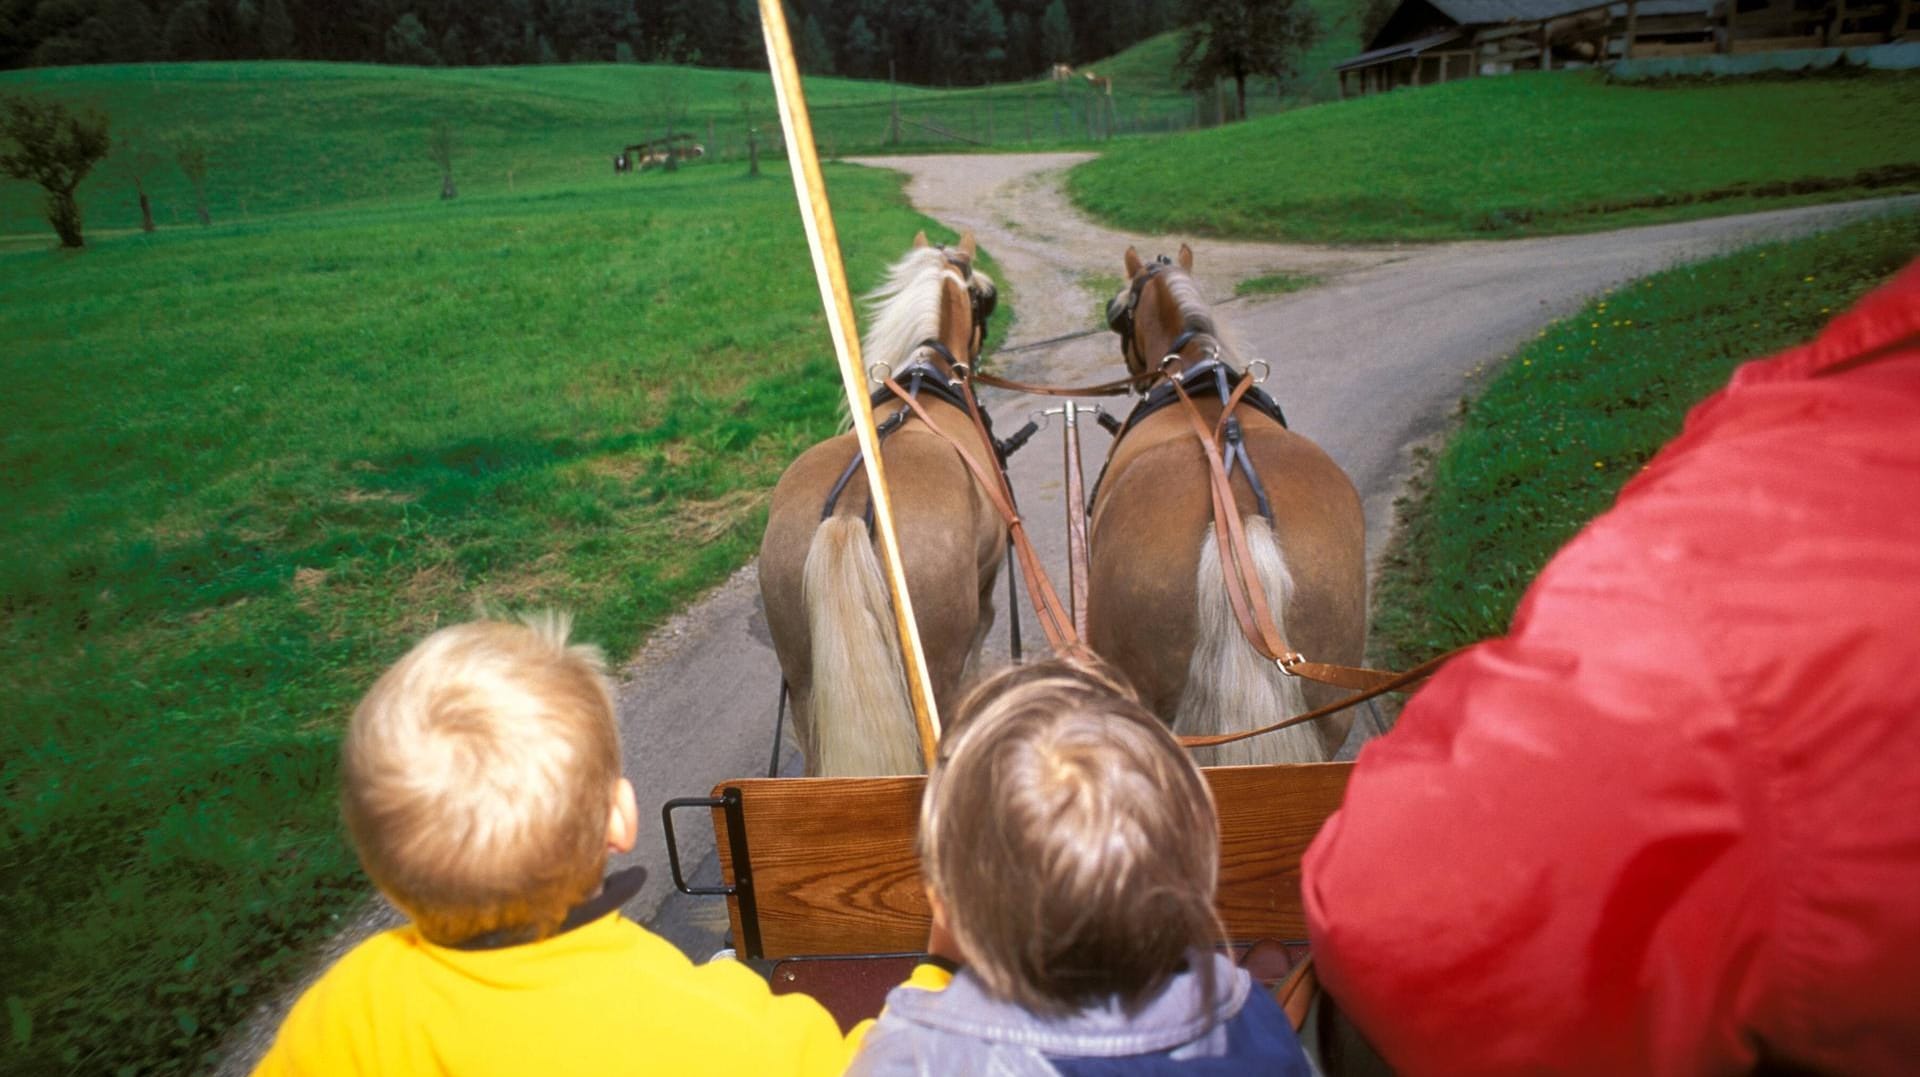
(623,822)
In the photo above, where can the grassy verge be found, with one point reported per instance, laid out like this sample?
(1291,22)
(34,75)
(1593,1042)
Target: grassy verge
(1526,154)
(244,467)
(1276,284)
(1565,422)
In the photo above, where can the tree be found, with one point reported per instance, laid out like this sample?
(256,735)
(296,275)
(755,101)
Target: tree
(56,149)
(441,145)
(276,31)
(862,53)
(189,35)
(1056,35)
(983,37)
(407,43)
(1237,38)
(815,57)
(136,159)
(190,153)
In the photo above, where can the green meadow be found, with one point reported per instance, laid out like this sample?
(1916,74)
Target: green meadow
(300,136)
(246,466)
(1520,155)
(1561,425)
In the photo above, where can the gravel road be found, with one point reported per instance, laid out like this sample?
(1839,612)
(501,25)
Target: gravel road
(1369,363)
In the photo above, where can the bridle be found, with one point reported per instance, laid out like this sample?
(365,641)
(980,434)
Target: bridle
(1120,319)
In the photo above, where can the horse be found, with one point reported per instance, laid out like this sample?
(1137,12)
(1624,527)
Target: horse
(1157,602)
(826,599)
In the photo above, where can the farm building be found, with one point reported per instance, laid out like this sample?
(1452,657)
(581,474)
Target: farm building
(1426,41)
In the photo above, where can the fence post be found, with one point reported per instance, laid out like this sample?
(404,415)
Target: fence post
(989,121)
(893,114)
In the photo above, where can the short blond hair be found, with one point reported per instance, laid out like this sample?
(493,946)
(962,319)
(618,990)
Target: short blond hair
(1071,839)
(477,778)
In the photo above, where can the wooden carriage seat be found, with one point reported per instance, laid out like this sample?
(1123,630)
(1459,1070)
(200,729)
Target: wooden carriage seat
(830,870)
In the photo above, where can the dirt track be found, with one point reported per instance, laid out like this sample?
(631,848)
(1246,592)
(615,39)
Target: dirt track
(1369,364)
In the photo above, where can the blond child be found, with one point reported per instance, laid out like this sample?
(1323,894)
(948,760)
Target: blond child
(1070,849)
(482,790)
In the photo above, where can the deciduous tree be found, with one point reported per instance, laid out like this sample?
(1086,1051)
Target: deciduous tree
(1056,34)
(190,153)
(1237,38)
(42,141)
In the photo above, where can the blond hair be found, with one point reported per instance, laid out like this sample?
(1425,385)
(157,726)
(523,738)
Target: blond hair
(477,778)
(1072,841)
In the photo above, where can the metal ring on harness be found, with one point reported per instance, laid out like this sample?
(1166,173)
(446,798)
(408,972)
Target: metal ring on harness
(961,372)
(1174,375)
(1287,661)
(1042,419)
(1266,369)
(872,371)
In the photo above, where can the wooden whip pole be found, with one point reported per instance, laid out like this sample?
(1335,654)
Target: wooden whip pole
(824,242)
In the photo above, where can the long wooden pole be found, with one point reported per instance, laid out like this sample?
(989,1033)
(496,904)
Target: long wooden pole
(824,242)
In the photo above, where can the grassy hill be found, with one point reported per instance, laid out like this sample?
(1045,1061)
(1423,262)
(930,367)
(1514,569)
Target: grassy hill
(295,136)
(244,466)
(1524,154)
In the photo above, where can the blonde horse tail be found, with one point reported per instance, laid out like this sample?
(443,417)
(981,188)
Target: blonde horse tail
(1230,687)
(861,720)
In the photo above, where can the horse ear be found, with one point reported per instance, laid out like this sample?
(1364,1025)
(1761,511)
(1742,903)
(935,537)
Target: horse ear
(1186,257)
(967,245)
(1134,265)
(919,240)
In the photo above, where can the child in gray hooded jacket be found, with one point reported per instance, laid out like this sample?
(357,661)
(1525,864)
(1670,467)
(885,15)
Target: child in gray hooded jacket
(1070,849)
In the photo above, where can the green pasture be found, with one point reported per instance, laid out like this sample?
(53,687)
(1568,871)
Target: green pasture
(245,467)
(299,136)
(1547,443)
(1518,155)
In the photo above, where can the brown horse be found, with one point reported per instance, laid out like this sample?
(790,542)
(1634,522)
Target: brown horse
(826,597)
(1157,601)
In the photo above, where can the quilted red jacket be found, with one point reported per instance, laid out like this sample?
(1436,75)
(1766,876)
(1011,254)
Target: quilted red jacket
(1671,823)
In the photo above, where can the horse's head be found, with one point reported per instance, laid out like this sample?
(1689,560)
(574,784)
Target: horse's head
(933,305)
(982,295)
(1160,313)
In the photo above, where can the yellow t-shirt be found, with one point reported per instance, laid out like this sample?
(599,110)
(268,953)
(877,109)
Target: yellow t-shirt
(607,998)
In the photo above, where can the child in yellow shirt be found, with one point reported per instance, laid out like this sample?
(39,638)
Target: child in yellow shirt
(483,793)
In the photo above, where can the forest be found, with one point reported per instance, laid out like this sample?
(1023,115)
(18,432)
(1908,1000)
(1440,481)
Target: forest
(929,42)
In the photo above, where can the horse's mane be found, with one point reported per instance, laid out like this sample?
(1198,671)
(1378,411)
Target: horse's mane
(905,308)
(1198,315)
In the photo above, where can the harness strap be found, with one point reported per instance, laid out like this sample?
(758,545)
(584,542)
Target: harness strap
(1054,618)
(1105,388)
(1395,683)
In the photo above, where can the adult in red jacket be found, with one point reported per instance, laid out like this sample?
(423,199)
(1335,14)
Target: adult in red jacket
(1671,823)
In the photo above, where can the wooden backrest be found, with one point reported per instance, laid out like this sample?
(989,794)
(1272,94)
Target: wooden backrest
(833,869)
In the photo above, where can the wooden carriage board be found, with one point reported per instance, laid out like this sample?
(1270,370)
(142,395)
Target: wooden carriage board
(833,868)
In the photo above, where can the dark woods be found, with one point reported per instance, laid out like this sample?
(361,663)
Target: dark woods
(933,42)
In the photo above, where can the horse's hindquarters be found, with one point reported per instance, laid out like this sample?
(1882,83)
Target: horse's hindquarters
(1161,615)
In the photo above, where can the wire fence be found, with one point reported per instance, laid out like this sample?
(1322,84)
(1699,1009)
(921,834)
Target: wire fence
(1024,115)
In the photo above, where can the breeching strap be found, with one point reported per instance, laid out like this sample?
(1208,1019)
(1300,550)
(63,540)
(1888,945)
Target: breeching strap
(1244,593)
(1055,620)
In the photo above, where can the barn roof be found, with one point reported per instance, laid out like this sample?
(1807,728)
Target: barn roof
(1483,12)
(1397,52)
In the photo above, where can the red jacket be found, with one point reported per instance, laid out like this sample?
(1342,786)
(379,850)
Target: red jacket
(1671,823)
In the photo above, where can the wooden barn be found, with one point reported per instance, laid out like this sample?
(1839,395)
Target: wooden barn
(1427,41)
